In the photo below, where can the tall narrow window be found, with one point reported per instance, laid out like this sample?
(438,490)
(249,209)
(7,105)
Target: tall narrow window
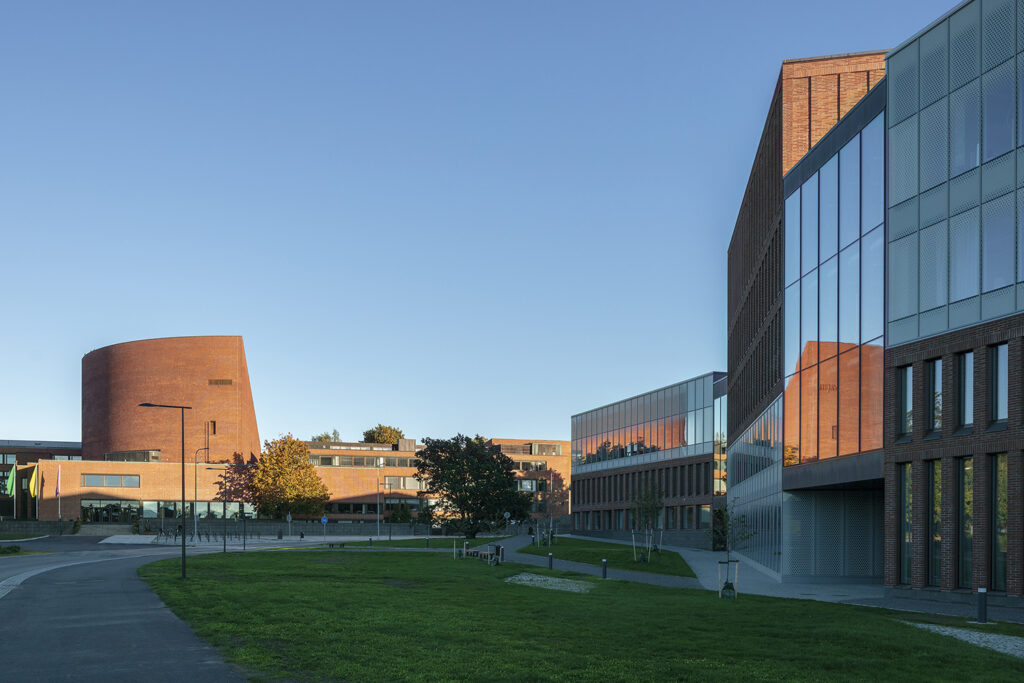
(934,522)
(999,489)
(965,388)
(906,527)
(906,400)
(965,521)
(934,406)
(1000,379)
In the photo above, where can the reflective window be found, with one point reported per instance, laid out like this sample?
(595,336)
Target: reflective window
(871,357)
(872,284)
(1000,382)
(849,401)
(934,522)
(809,414)
(965,389)
(809,224)
(906,400)
(965,520)
(793,237)
(792,315)
(849,295)
(872,175)
(809,319)
(997,107)
(791,449)
(828,209)
(997,243)
(828,308)
(964,123)
(934,406)
(963,255)
(906,521)
(1020,99)
(849,192)
(999,520)
(828,396)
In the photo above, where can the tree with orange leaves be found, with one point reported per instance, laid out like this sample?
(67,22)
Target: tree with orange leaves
(285,481)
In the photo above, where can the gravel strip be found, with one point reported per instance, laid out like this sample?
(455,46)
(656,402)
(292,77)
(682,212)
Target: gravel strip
(1010,645)
(539,581)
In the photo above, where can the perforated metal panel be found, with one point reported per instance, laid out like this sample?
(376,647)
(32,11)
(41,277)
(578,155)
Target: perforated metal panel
(964,45)
(903,219)
(965,312)
(903,277)
(997,177)
(964,256)
(964,192)
(997,303)
(934,321)
(998,234)
(902,80)
(903,161)
(829,538)
(1020,236)
(934,265)
(934,76)
(858,533)
(998,34)
(798,534)
(934,205)
(934,145)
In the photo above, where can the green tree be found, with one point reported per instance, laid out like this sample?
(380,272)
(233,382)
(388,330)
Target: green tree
(284,480)
(383,434)
(474,483)
(646,507)
(326,437)
(400,514)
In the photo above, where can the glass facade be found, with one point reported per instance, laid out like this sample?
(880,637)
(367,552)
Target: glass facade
(834,304)
(956,132)
(677,421)
(755,486)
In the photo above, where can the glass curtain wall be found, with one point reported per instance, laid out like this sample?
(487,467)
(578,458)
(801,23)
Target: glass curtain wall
(955,128)
(834,274)
(680,418)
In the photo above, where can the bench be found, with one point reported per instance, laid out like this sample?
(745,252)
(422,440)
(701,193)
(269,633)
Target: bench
(490,555)
(335,545)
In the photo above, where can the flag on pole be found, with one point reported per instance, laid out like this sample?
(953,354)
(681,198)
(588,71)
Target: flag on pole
(32,483)
(12,477)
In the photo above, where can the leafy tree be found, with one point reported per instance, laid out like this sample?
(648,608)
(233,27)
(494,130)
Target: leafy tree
(327,437)
(383,434)
(474,483)
(728,531)
(284,480)
(235,483)
(400,514)
(646,506)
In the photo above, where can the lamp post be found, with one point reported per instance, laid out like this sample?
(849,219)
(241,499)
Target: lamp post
(195,489)
(182,409)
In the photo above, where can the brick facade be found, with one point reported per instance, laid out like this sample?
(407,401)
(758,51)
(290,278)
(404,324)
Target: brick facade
(207,373)
(952,442)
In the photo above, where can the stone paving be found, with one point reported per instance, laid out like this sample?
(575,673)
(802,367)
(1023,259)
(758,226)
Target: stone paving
(1010,645)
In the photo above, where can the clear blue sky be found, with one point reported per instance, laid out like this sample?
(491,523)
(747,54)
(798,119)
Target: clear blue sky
(447,216)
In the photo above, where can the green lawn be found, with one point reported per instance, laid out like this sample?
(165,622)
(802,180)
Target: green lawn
(619,556)
(424,616)
(435,542)
(17,537)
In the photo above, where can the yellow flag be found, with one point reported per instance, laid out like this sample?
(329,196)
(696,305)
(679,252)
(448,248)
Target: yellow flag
(32,487)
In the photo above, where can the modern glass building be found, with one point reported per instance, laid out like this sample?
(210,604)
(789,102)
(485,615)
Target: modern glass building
(670,440)
(954,415)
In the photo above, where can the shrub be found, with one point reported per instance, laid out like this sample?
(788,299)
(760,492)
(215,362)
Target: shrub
(10,550)
(77,527)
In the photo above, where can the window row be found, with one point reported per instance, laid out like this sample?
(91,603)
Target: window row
(658,435)
(694,479)
(131,510)
(672,517)
(838,204)
(964,504)
(361,461)
(404,483)
(114,480)
(964,381)
(834,408)
(677,399)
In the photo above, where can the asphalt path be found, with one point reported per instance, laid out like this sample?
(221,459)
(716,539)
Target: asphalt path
(80,612)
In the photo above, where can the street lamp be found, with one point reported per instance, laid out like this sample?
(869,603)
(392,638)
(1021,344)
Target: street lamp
(379,484)
(182,409)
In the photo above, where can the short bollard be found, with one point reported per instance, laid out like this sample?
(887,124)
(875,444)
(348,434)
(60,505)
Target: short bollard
(428,541)
(465,548)
(371,542)
(551,561)
(982,605)
(604,569)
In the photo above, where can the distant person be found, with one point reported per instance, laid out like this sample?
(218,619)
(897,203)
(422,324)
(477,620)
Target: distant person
(530,531)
